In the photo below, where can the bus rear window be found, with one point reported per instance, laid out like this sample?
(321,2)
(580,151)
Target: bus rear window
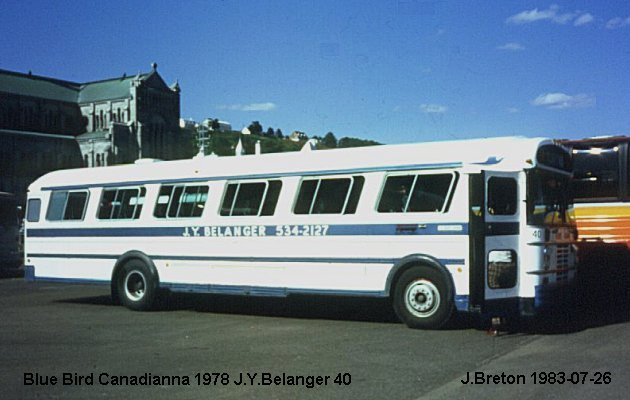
(121,203)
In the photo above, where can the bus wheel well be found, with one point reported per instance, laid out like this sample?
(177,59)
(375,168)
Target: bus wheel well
(422,293)
(416,260)
(124,260)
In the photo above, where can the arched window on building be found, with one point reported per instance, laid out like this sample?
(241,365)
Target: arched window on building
(98,160)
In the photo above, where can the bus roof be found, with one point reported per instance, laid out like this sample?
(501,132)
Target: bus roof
(505,154)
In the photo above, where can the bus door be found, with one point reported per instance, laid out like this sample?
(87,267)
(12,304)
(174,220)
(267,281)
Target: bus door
(502,213)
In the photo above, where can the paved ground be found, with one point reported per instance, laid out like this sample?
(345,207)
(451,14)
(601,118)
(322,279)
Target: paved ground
(53,329)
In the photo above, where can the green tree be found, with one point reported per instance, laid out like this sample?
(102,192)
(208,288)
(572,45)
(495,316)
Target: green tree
(270,132)
(330,140)
(354,142)
(255,128)
(279,134)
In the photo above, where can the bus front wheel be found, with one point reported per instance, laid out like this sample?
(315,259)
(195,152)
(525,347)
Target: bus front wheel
(137,286)
(423,298)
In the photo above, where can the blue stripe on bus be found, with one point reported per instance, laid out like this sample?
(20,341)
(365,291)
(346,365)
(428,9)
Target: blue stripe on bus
(393,168)
(324,260)
(265,291)
(461,301)
(270,230)
(71,280)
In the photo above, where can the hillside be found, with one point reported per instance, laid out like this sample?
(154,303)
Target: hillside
(224,143)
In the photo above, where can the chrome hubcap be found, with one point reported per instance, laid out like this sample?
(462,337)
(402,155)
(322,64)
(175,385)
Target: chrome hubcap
(135,284)
(422,298)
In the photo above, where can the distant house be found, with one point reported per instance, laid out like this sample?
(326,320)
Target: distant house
(187,123)
(246,131)
(48,124)
(296,136)
(224,126)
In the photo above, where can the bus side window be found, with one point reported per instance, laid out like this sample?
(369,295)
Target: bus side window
(429,194)
(273,193)
(502,196)
(66,206)
(329,196)
(355,195)
(121,203)
(181,201)
(396,194)
(415,193)
(56,206)
(33,208)
(161,205)
(75,206)
(249,199)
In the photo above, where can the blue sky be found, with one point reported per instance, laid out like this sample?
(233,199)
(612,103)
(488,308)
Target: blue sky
(392,71)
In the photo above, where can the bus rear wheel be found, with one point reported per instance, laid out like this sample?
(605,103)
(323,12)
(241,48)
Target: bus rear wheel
(137,286)
(423,298)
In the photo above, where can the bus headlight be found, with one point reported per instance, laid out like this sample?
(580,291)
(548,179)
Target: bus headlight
(501,269)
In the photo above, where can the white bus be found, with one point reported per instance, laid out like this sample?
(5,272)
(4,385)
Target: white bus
(476,225)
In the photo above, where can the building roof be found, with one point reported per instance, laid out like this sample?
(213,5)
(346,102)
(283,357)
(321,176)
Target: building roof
(38,86)
(60,90)
(111,89)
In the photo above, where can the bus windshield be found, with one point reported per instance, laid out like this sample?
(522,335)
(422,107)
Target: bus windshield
(548,199)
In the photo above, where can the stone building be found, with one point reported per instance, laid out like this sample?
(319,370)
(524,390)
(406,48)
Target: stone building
(48,124)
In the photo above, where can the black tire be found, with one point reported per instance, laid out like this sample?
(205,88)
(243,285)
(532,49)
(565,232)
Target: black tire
(424,298)
(137,285)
